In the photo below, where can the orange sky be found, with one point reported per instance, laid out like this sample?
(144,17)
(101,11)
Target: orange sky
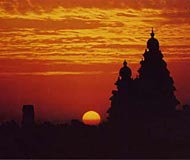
(63,56)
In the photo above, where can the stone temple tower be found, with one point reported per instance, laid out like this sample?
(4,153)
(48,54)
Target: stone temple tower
(155,85)
(142,108)
(121,98)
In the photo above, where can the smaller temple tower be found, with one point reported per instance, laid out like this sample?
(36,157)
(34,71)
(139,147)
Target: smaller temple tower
(121,98)
(121,113)
(28,120)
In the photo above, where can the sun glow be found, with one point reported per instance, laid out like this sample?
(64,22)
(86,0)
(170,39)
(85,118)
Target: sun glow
(91,118)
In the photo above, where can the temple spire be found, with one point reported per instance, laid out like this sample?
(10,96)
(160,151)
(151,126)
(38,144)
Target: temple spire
(125,63)
(125,71)
(152,43)
(152,33)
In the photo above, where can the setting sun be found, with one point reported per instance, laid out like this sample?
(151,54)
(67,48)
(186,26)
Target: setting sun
(91,118)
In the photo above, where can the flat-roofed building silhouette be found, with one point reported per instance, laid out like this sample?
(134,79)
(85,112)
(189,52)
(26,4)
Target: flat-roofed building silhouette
(28,120)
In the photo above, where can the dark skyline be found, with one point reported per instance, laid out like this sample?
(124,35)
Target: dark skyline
(56,54)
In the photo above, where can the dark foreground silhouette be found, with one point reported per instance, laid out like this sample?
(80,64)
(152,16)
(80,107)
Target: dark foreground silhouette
(142,122)
(164,139)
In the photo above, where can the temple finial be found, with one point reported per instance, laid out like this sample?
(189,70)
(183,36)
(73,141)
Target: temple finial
(125,63)
(152,33)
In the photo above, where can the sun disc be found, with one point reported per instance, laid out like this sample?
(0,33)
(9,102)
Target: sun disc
(91,118)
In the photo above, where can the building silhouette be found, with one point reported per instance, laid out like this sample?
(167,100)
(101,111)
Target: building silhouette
(151,92)
(28,120)
(155,85)
(140,107)
(121,98)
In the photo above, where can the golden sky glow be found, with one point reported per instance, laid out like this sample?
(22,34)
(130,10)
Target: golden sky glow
(78,37)
(85,32)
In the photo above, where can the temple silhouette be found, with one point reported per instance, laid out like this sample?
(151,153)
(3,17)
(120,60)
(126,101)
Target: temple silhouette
(145,104)
(152,92)
(142,121)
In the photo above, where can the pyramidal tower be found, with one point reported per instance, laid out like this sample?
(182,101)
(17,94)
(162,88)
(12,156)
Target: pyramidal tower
(150,94)
(155,85)
(121,98)
(142,108)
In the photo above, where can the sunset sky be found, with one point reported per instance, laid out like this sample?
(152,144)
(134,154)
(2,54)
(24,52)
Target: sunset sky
(63,56)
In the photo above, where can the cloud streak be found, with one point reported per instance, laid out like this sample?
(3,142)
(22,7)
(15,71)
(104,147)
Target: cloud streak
(23,5)
(49,73)
(85,31)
